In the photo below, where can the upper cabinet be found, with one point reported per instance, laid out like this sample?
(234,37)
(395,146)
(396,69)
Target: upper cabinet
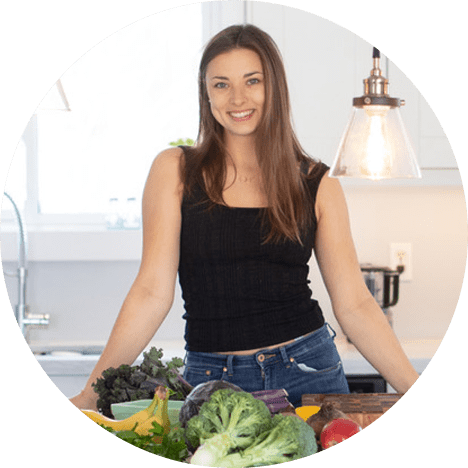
(326,65)
(430,142)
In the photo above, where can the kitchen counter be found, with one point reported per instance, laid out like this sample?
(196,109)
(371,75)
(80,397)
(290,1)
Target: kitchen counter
(69,365)
(68,359)
(80,358)
(419,352)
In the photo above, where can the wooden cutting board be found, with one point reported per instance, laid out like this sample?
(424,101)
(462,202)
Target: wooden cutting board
(363,408)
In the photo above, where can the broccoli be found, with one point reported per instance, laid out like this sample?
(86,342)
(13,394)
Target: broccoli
(290,438)
(228,421)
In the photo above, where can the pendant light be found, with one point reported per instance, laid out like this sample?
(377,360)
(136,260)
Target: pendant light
(375,144)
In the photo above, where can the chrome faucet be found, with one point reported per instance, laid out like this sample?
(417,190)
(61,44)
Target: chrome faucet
(23,317)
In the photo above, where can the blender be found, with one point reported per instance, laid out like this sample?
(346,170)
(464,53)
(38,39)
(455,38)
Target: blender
(383,283)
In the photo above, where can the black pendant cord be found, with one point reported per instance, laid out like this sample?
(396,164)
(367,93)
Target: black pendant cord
(376,53)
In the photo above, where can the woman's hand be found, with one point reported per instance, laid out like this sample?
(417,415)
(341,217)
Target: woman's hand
(85,401)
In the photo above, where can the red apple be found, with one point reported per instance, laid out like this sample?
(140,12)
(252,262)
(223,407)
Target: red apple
(338,430)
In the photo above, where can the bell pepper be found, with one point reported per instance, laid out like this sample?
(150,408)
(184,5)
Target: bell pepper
(338,430)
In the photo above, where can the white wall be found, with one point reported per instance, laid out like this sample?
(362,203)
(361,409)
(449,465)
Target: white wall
(83,298)
(433,220)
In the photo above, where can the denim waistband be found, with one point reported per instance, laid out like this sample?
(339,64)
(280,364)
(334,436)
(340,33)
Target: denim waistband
(301,344)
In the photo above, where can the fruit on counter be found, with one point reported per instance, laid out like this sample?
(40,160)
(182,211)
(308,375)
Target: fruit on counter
(305,412)
(160,417)
(141,422)
(117,425)
(124,424)
(328,412)
(338,430)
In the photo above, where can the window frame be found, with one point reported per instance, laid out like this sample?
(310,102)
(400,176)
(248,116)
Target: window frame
(215,17)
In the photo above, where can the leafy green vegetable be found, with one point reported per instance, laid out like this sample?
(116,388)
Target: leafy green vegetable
(199,395)
(290,438)
(235,430)
(228,421)
(130,383)
(180,141)
(173,445)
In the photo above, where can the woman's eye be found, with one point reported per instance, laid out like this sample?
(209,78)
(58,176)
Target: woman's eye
(220,85)
(253,81)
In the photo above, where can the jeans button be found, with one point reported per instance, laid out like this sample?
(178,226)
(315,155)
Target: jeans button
(261,358)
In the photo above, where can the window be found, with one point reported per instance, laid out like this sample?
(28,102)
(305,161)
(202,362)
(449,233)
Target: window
(130,96)
(16,182)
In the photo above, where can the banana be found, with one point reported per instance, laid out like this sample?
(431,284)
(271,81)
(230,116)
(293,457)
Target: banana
(161,416)
(125,424)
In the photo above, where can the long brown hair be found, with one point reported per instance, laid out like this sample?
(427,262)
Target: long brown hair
(278,150)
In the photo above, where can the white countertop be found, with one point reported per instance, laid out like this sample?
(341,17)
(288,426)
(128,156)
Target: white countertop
(70,362)
(420,352)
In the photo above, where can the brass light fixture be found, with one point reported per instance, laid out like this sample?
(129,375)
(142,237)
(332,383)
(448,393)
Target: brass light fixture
(375,144)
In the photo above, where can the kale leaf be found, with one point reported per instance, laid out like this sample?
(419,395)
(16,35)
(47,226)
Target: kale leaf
(130,383)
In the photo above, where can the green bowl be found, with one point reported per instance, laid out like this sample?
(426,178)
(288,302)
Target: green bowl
(129,408)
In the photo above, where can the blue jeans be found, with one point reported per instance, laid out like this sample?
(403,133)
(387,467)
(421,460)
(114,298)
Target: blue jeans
(311,364)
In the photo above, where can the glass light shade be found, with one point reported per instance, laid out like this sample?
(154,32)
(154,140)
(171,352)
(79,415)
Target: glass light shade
(375,146)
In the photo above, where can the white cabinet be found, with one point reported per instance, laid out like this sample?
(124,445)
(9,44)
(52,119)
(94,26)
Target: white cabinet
(429,140)
(321,84)
(326,65)
(435,148)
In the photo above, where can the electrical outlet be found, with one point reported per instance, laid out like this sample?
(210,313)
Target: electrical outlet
(401,254)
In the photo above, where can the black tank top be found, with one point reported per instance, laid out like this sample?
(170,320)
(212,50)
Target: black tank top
(238,293)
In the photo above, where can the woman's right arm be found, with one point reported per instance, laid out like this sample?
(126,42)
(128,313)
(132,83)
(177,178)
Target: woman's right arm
(151,295)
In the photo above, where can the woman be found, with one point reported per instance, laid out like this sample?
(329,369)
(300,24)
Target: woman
(237,216)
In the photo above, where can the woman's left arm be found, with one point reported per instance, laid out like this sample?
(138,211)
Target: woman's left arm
(356,310)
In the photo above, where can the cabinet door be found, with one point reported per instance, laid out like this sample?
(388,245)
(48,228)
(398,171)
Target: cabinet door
(428,138)
(220,15)
(435,148)
(401,87)
(325,66)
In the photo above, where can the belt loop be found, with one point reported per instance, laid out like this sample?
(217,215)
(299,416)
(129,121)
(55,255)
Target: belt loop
(284,355)
(333,333)
(229,364)
(185,358)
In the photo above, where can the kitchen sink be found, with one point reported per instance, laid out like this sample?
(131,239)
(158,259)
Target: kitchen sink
(70,351)
(69,365)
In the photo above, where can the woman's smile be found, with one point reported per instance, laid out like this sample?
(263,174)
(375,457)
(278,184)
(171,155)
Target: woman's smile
(242,116)
(236,90)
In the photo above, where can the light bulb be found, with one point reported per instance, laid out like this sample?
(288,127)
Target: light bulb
(377,158)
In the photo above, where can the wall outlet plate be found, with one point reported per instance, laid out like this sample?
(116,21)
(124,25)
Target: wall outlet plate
(402,254)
